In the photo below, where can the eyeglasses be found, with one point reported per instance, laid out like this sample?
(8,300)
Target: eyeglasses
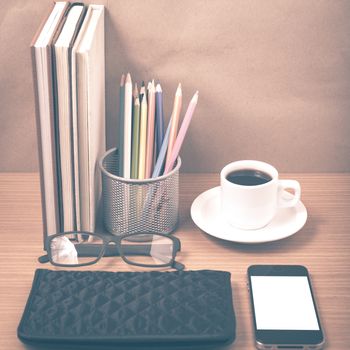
(73,249)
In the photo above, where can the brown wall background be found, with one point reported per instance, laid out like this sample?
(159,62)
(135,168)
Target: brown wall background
(273,77)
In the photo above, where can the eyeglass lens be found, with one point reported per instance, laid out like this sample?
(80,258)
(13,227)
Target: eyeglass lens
(148,249)
(75,249)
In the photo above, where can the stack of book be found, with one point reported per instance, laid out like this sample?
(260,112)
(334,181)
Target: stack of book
(69,76)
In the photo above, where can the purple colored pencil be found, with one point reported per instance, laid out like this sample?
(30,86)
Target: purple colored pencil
(159,119)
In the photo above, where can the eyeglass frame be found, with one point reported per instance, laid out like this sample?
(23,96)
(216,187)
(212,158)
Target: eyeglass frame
(112,249)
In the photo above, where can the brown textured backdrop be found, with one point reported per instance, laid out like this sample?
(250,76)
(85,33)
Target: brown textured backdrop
(273,77)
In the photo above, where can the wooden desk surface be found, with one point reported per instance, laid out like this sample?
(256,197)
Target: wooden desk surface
(322,245)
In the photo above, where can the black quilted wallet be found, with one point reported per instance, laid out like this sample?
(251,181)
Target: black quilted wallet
(128,309)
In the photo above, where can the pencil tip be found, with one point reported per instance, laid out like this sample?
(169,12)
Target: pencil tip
(178,90)
(122,80)
(136,91)
(158,88)
(128,78)
(143,99)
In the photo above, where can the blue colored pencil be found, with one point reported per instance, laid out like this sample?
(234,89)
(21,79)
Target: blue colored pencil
(158,168)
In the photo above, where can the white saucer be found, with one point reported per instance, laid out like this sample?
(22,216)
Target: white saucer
(206,214)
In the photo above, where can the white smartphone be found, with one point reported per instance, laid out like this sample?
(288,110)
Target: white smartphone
(284,309)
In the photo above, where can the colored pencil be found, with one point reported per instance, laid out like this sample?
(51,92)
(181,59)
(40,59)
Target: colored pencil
(143,137)
(162,153)
(135,136)
(150,130)
(142,91)
(150,198)
(135,93)
(127,127)
(182,133)
(121,125)
(175,115)
(159,119)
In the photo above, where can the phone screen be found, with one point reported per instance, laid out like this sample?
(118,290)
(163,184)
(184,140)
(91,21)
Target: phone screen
(283,302)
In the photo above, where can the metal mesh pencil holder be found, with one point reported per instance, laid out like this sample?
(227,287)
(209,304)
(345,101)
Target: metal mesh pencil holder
(138,206)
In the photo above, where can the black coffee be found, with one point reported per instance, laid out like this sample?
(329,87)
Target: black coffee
(248,177)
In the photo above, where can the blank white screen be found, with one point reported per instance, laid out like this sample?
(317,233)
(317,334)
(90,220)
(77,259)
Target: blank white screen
(283,302)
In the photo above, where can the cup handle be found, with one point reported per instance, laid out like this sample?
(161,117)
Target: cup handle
(294,185)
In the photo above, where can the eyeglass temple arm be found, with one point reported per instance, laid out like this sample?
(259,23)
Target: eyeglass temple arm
(112,250)
(178,266)
(43,259)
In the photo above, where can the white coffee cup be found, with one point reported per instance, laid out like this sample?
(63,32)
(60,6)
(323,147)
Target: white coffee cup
(253,206)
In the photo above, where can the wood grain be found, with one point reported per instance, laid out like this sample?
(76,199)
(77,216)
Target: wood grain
(322,245)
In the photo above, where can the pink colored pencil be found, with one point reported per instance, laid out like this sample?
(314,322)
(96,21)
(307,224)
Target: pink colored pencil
(182,133)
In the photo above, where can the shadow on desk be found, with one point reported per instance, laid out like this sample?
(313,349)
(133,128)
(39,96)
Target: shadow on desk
(306,236)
